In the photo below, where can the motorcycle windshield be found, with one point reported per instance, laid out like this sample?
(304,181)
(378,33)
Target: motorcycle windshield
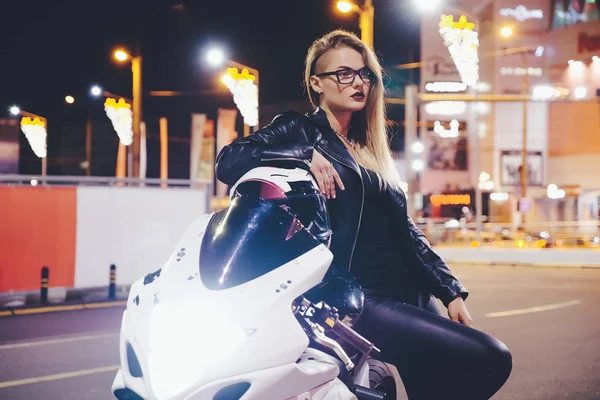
(249,239)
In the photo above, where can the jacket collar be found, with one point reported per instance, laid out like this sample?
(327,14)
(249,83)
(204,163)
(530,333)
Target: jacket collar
(320,118)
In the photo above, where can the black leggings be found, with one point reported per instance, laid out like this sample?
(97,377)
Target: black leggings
(437,358)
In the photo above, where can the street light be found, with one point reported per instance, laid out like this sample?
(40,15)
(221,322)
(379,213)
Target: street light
(366,15)
(69,99)
(244,85)
(96,90)
(121,55)
(35,129)
(427,5)
(136,69)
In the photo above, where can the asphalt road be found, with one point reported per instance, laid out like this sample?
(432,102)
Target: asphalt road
(547,316)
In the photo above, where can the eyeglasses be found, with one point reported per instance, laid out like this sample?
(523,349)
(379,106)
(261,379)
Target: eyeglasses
(347,75)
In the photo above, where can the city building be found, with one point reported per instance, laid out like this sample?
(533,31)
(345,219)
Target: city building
(549,49)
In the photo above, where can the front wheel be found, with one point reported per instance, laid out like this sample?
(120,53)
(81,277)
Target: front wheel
(384,377)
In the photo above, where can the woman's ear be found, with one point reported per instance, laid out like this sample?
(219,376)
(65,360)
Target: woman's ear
(315,84)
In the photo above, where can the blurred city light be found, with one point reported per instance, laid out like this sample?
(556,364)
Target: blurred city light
(580,92)
(14,110)
(483,87)
(594,58)
(215,57)
(554,192)
(418,165)
(418,147)
(500,197)
(344,6)
(446,108)
(539,51)
(96,90)
(543,92)
(506,31)
(69,99)
(121,55)
(427,5)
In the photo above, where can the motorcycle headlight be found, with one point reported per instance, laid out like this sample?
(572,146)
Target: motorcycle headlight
(184,342)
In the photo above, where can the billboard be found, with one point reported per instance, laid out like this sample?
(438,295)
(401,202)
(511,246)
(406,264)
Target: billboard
(9,146)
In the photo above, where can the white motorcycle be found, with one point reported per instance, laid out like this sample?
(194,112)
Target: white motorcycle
(232,314)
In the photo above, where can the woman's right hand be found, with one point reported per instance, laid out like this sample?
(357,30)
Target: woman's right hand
(325,175)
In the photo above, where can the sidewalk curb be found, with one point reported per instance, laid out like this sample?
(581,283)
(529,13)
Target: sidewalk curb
(24,310)
(523,264)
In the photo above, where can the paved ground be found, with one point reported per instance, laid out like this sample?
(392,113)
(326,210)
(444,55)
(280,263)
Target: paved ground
(547,316)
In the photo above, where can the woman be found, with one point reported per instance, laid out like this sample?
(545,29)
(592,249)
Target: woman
(344,143)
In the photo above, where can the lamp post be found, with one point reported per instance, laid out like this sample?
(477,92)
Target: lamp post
(136,69)
(35,128)
(508,32)
(216,58)
(366,15)
(122,106)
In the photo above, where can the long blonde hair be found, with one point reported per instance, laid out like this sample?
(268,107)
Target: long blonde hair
(373,151)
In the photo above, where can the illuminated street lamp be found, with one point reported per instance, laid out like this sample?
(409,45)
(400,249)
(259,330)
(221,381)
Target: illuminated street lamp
(35,129)
(366,15)
(136,69)
(96,91)
(69,99)
(242,81)
(121,55)
(427,6)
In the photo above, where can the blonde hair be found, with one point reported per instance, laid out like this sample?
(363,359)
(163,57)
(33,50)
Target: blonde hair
(373,151)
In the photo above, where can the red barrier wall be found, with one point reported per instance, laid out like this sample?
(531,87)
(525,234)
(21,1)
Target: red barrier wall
(37,228)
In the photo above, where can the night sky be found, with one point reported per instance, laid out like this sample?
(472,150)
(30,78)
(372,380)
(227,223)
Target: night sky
(54,48)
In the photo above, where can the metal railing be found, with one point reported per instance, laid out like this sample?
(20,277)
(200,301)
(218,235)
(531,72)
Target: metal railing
(108,181)
(563,234)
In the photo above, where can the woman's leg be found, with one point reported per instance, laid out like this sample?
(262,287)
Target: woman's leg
(436,357)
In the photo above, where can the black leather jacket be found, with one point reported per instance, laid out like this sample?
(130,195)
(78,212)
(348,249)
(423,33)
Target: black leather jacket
(291,138)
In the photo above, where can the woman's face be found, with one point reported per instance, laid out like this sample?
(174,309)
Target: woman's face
(337,82)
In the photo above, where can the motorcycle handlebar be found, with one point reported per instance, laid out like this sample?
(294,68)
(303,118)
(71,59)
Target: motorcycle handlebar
(351,336)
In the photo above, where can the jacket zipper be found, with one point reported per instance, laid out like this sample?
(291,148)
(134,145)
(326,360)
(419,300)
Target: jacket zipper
(287,159)
(362,203)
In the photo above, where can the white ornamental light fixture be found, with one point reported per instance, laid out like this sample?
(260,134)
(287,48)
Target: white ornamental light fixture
(245,93)
(36,134)
(121,116)
(462,42)
(521,13)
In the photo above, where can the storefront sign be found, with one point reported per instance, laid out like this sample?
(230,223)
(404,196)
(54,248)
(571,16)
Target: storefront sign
(587,43)
(450,199)
(504,71)
(521,13)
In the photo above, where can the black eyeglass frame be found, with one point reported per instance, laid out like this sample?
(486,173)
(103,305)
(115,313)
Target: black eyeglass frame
(362,74)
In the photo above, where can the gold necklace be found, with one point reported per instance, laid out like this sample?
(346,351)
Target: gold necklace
(344,138)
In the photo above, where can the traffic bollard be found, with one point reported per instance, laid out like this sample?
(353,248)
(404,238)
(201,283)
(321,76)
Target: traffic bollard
(112,287)
(44,287)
